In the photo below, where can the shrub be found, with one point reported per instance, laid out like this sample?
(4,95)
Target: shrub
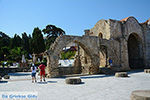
(68,54)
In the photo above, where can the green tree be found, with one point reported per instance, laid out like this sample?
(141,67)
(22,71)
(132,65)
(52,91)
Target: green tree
(38,44)
(52,33)
(25,42)
(4,52)
(16,54)
(30,44)
(16,41)
(4,39)
(4,42)
(67,55)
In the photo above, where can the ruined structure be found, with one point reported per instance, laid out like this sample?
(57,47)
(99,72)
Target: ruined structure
(126,42)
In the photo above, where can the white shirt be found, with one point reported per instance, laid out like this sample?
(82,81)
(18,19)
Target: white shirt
(33,71)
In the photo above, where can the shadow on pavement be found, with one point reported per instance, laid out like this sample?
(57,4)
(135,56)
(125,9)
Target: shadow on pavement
(19,74)
(97,76)
(135,71)
(42,82)
(3,81)
(51,81)
(77,84)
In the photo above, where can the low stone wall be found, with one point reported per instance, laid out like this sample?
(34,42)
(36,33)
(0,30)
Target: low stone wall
(66,70)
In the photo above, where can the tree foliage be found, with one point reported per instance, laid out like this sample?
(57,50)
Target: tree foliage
(25,42)
(12,48)
(67,55)
(52,33)
(16,54)
(16,41)
(38,44)
(4,42)
(4,39)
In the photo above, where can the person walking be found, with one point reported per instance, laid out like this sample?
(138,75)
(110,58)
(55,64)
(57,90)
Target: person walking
(33,74)
(42,72)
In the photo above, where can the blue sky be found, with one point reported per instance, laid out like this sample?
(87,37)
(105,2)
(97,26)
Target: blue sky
(73,16)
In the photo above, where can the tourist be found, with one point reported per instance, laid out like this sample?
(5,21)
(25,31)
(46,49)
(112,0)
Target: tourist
(42,72)
(110,62)
(33,70)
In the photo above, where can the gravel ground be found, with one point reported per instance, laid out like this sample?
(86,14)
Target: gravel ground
(94,87)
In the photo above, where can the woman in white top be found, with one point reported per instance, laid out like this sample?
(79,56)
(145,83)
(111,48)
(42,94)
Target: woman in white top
(33,70)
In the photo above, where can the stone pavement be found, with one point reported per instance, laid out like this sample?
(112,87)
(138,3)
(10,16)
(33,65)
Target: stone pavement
(94,87)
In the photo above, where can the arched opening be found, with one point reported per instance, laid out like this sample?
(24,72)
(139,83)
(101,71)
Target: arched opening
(67,58)
(100,35)
(135,51)
(103,56)
(74,61)
(85,60)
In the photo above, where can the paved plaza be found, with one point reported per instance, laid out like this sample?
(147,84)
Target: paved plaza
(94,87)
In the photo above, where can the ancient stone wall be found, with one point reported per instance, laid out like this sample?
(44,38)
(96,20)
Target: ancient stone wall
(126,42)
(132,26)
(101,27)
(66,70)
(118,33)
(146,31)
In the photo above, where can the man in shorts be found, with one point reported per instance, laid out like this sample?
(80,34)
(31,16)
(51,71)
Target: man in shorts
(42,72)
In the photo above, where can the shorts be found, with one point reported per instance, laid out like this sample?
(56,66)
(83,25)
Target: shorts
(33,74)
(42,73)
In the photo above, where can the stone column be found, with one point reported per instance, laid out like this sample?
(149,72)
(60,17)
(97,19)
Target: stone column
(94,68)
(52,67)
(77,62)
(124,55)
(47,70)
(77,65)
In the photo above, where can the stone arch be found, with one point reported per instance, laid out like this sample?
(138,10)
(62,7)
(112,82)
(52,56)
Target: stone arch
(60,43)
(132,26)
(130,18)
(135,51)
(103,56)
(100,35)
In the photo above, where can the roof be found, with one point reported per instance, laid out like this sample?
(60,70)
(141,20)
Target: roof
(146,22)
(125,19)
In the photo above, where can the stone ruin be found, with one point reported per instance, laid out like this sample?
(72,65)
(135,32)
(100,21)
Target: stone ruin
(126,42)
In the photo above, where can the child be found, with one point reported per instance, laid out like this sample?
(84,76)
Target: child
(33,70)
